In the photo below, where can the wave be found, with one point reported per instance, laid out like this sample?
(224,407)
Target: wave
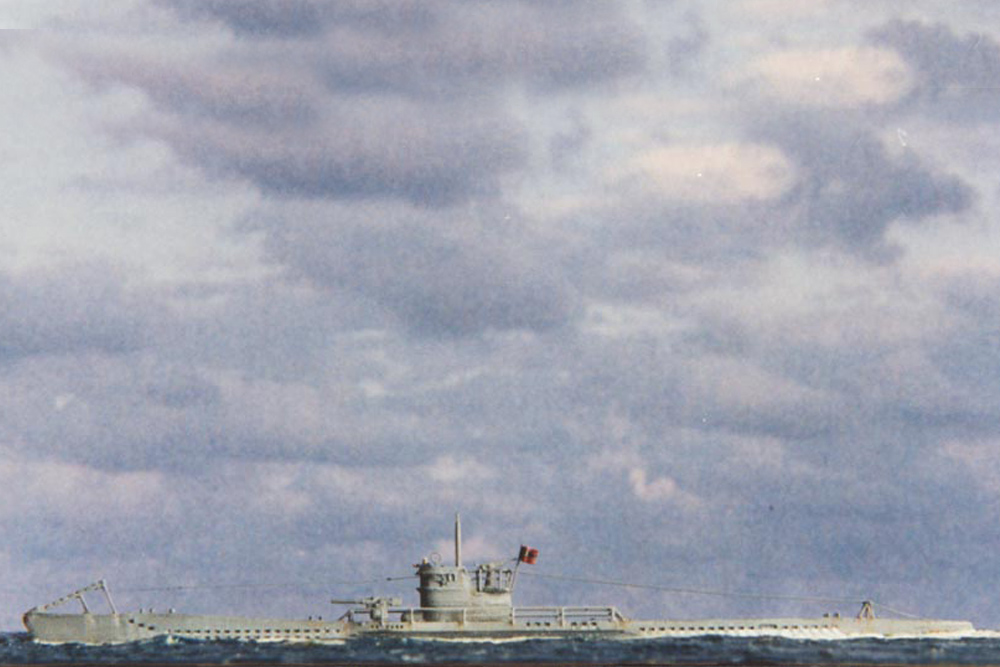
(982,648)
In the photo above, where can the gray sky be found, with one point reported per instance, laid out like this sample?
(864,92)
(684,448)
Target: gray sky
(703,294)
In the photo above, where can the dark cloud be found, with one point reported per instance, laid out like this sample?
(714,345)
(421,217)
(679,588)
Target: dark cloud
(445,47)
(436,281)
(739,393)
(566,146)
(76,310)
(975,295)
(685,49)
(183,390)
(271,129)
(283,18)
(259,99)
(131,413)
(853,379)
(267,375)
(958,76)
(851,189)
(480,53)
(113,413)
(363,153)
(372,100)
(969,355)
(846,192)
(698,236)
(306,18)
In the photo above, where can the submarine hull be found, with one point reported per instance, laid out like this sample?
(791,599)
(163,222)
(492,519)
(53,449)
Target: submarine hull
(89,628)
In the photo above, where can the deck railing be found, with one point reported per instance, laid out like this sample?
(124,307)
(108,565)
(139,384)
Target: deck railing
(560,617)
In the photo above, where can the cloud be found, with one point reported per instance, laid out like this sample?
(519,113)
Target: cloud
(436,48)
(143,412)
(58,489)
(369,100)
(713,172)
(288,18)
(781,7)
(447,469)
(183,390)
(75,310)
(958,77)
(966,355)
(800,178)
(978,457)
(363,152)
(850,359)
(268,125)
(259,95)
(835,78)
(662,489)
(851,189)
(686,49)
(441,273)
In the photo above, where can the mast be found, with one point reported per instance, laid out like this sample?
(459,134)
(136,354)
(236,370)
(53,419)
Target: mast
(458,540)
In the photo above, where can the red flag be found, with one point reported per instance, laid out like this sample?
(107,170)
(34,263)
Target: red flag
(528,555)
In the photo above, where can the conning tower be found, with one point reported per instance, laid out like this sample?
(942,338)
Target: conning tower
(452,593)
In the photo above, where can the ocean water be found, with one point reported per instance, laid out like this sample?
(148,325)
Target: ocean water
(985,650)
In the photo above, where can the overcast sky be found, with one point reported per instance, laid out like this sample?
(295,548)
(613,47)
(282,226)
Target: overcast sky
(700,294)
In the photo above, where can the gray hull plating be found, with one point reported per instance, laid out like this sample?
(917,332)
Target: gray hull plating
(89,628)
(92,628)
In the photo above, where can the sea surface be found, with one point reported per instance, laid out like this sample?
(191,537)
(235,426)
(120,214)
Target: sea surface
(17,649)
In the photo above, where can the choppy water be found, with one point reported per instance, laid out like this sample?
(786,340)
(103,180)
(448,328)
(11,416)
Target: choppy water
(16,649)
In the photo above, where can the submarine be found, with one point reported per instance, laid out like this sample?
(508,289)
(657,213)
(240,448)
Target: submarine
(455,603)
